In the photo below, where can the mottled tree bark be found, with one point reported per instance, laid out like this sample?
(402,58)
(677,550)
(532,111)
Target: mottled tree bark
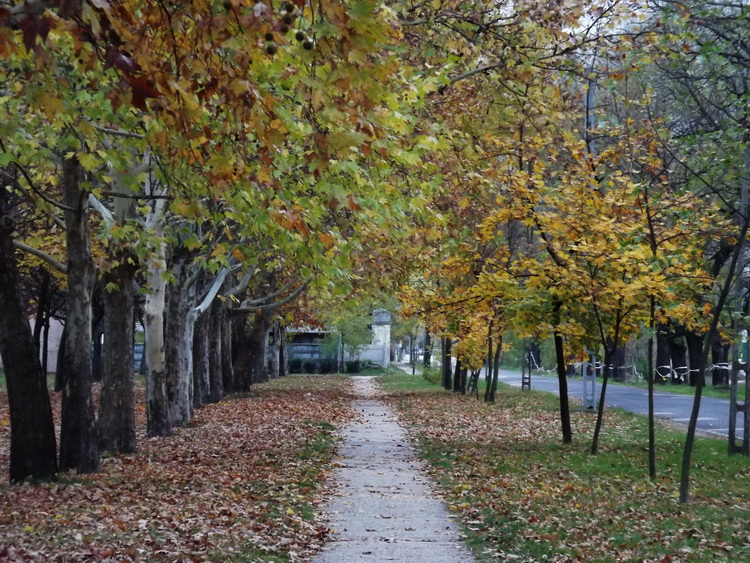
(32,432)
(179,345)
(283,353)
(201,361)
(274,361)
(97,330)
(42,306)
(217,318)
(79,441)
(60,371)
(227,353)
(159,423)
(251,363)
(117,406)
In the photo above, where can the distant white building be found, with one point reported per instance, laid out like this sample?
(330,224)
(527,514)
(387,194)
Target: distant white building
(379,350)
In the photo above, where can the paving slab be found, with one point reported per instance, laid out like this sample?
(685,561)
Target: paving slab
(385,507)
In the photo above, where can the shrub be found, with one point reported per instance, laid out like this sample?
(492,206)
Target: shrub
(433,375)
(295,365)
(353,366)
(308,366)
(327,365)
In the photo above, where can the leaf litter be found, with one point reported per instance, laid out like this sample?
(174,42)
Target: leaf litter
(241,482)
(523,495)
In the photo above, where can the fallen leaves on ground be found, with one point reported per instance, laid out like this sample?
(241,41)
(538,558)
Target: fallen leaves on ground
(241,482)
(523,495)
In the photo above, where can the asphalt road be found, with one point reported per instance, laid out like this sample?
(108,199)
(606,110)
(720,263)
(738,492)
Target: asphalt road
(713,416)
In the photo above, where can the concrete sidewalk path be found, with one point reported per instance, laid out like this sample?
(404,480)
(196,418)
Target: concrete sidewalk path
(384,507)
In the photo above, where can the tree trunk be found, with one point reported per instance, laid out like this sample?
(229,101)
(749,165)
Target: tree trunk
(96,354)
(258,348)
(60,370)
(427,357)
(536,355)
(608,353)
(217,318)
(488,373)
(117,406)
(274,360)
(678,353)
(239,322)
(447,367)
(457,377)
(41,308)
(495,370)
(32,431)
(618,364)
(45,347)
(159,423)
(663,355)
(154,323)
(79,442)
(201,361)
(240,350)
(179,345)
(610,349)
(251,365)
(473,387)
(283,352)
(719,357)
(694,348)
(227,369)
(567,432)
(650,376)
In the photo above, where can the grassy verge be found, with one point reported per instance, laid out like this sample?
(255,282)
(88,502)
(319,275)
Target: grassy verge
(240,483)
(377,370)
(523,495)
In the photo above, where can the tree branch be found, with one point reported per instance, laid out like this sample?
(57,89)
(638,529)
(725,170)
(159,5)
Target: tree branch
(59,266)
(117,132)
(270,306)
(250,303)
(215,287)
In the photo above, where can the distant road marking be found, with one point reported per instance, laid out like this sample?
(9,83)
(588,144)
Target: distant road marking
(699,418)
(663,413)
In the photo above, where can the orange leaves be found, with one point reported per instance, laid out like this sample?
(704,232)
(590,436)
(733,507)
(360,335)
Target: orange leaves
(142,88)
